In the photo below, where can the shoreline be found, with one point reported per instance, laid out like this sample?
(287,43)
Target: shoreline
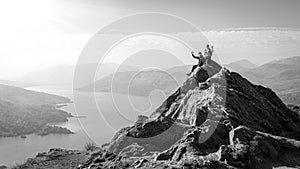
(50,129)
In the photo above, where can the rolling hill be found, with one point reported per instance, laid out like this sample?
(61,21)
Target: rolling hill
(63,75)
(25,112)
(282,76)
(241,65)
(138,83)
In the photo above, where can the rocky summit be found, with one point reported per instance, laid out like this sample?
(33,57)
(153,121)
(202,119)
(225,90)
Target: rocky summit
(217,119)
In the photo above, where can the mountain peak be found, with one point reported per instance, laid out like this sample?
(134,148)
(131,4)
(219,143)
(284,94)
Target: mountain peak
(204,122)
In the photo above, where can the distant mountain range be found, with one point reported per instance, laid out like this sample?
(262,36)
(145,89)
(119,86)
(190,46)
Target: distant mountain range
(138,83)
(241,65)
(283,76)
(63,74)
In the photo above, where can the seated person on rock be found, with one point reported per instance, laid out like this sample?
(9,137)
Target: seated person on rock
(208,53)
(200,61)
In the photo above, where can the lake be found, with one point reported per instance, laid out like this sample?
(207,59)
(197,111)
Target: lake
(104,114)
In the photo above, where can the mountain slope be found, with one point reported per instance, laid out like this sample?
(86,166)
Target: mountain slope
(216,119)
(241,65)
(274,68)
(63,75)
(138,83)
(283,76)
(22,96)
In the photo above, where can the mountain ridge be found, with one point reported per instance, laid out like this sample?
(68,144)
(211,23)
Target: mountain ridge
(282,78)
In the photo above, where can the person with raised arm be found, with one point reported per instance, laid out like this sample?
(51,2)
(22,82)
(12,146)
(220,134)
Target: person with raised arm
(200,58)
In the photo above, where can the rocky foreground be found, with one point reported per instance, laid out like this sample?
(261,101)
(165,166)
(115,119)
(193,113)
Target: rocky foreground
(216,119)
(55,159)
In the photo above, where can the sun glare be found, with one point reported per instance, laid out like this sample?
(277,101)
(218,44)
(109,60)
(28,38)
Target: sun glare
(18,16)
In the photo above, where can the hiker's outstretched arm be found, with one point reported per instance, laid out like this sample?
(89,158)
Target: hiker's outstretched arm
(194,55)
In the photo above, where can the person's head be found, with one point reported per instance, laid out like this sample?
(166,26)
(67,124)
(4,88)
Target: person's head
(207,46)
(199,53)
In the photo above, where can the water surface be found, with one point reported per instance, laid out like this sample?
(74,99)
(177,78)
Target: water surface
(100,123)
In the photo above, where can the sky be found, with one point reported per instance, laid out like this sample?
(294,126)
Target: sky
(40,33)
(216,14)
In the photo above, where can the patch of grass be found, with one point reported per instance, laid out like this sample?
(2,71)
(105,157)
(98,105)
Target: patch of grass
(91,146)
(25,165)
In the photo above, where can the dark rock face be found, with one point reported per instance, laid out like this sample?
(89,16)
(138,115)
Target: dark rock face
(294,108)
(259,108)
(216,119)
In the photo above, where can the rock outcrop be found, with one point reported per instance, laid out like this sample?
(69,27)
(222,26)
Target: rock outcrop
(254,149)
(55,158)
(294,108)
(216,119)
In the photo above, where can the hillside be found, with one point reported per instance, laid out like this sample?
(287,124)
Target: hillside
(25,112)
(283,76)
(9,83)
(18,95)
(138,83)
(240,66)
(215,119)
(62,75)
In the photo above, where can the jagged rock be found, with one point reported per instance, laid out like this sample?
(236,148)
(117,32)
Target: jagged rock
(139,163)
(3,167)
(55,158)
(204,114)
(216,119)
(259,108)
(99,160)
(178,113)
(253,149)
(294,108)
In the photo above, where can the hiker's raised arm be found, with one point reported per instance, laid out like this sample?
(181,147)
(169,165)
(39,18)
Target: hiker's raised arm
(194,55)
